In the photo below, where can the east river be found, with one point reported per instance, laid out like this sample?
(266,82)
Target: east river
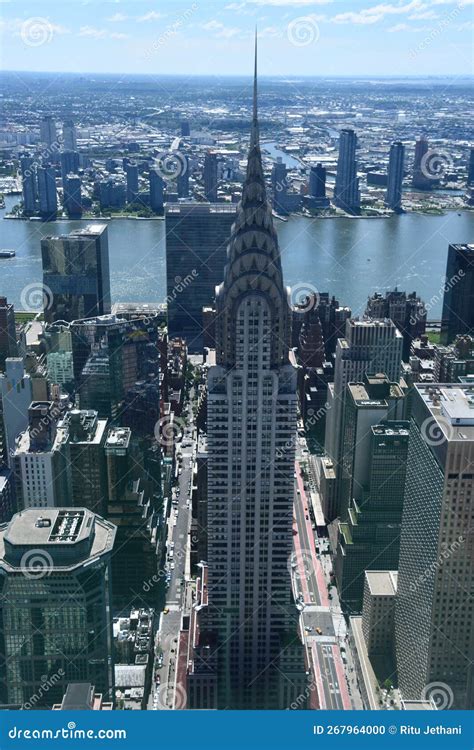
(349,258)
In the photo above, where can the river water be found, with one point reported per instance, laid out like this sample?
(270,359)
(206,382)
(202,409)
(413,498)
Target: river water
(350,258)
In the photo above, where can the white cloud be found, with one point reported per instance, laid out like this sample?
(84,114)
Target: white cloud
(290,3)
(212,25)
(91,31)
(220,31)
(94,33)
(426,15)
(152,15)
(117,18)
(378,12)
(405,27)
(398,27)
(467,26)
(15,26)
(357,18)
(270,31)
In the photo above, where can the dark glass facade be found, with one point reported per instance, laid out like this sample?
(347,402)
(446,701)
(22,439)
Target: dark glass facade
(196,242)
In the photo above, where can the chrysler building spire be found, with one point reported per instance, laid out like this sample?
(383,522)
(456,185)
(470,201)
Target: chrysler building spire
(253,260)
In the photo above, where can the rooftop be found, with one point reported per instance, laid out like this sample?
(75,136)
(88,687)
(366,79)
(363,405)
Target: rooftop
(200,208)
(382,582)
(452,406)
(91,230)
(66,537)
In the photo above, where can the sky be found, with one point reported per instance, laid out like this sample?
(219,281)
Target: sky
(296,37)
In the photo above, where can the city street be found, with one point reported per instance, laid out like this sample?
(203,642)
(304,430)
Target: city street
(163,695)
(322,622)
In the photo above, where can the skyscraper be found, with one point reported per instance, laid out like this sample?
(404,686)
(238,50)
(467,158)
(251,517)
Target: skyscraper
(56,604)
(346,191)
(16,395)
(434,608)
(40,460)
(251,426)
(369,346)
(370,402)
(69,135)
(470,169)
(317,181)
(182,181)
(131,170)
(279,186)
(196,241)
(407,311)
(395,176)
(458,303)
(420,180)
(86,435)
(369,539)
(210,177)
(28,185)
(157,187)
(76,271)
(69,163)
(48,199)
(8,343)
(72,199)
(48,133)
